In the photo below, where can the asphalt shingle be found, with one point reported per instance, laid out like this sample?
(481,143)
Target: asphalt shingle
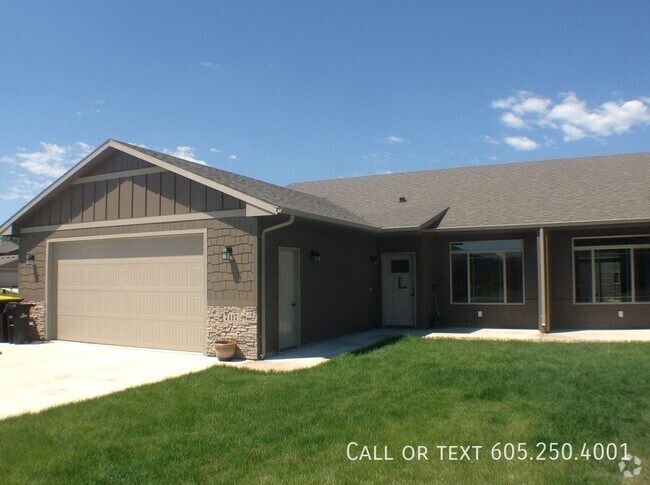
(605,188)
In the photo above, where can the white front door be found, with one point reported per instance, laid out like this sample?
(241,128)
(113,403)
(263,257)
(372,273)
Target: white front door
(398,289)
(289,297)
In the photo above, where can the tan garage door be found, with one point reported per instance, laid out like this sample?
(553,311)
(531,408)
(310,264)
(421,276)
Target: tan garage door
(143,292)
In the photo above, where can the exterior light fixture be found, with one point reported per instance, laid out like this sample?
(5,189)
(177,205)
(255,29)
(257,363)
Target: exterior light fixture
(226,253)
(29,260)
(315,256)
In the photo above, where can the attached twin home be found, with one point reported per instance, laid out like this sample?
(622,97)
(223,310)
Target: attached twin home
(135,247)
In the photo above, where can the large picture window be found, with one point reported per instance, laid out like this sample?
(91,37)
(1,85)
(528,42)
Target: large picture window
(612,270)
(487,272)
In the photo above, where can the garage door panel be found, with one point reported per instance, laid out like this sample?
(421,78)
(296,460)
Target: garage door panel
(152,333)
(156,301)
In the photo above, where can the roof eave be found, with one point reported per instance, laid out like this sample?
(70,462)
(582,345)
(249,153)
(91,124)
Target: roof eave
(7,229)
(333,220)
(558,224)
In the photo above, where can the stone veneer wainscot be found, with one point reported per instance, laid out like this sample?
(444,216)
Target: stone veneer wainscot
(233,323)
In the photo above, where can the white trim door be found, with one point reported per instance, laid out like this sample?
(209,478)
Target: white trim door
(398,289)
(288,298)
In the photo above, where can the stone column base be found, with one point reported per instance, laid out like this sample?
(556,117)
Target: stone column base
(37,319)
(233,323)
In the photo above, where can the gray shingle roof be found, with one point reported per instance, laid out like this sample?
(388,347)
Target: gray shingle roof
(572,190)
(282,197)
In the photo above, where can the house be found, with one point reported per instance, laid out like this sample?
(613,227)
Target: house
(8,264)
(135,247)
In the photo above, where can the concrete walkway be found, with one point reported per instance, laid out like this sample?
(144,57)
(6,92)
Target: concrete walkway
(314,354)
(642,335)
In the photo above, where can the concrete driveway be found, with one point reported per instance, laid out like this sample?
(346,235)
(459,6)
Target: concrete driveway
(41,375)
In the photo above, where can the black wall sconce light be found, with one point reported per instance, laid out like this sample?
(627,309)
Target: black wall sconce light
(315,256)
(29,260)
(226,253)
(374,260)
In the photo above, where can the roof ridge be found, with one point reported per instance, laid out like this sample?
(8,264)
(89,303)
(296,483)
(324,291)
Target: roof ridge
(468,167)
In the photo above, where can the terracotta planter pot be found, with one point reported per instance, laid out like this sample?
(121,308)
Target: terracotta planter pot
(225,349)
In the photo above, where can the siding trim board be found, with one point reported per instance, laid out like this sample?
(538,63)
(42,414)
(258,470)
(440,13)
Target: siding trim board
(195,216)
(117,175)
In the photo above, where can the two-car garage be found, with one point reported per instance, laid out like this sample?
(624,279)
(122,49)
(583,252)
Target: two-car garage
(133,291)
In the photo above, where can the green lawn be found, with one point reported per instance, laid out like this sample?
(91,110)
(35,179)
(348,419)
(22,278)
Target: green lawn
(233,425)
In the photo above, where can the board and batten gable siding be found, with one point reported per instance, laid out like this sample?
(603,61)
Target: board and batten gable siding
(115,162)
(148,195)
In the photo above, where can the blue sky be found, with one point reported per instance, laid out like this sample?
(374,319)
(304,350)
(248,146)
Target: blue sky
(293,91)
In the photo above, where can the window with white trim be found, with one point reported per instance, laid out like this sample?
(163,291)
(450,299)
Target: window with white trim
(611,269)
(487,271)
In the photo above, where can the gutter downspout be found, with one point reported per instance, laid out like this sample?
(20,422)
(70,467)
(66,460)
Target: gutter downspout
(261,353)
(542,278)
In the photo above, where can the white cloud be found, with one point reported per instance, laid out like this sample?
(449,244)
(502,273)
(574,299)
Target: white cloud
(532,104)
(232,156)
(612,117)
(52,160)
(205,64)
(512,120)
(37,169)
(384,172)
(522,143)
(215,150)
(572,133)
(184,152)
(395,139)
(573,117)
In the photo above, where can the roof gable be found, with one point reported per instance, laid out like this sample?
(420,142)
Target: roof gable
(260,198)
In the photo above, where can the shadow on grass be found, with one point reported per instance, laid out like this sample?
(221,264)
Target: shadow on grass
(378,345)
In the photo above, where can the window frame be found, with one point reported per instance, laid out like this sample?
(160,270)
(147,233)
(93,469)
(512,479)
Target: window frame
(592,249)
(503,254)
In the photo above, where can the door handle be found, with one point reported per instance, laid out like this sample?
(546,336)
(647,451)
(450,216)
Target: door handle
(413,292)
(293,304)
